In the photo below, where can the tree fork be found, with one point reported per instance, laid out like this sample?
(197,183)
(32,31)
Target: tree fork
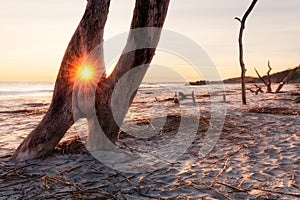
(88,35)
(269,83)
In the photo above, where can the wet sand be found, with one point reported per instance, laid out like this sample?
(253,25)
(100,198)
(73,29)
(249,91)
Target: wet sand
(257,156)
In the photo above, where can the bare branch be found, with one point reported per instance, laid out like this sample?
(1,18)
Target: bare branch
(270,68)
(249,11)
(238,19)
(258,89)
(269,88)
(260,77)
(269,78)
(241,51)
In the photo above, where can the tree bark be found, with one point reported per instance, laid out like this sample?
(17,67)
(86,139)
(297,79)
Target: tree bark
(59,117)
(241,50)
(131,66)
(135,60)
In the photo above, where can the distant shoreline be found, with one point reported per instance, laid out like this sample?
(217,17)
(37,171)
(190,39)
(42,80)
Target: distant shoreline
(275,78)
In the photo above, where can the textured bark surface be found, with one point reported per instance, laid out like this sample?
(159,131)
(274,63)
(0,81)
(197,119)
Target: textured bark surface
(147,13)
(59,117)
(88,36)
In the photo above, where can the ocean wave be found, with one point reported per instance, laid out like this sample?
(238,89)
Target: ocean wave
(24,111)
(24,93)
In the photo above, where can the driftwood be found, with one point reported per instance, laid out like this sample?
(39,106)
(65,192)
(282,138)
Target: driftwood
(88,37)
(286,79)
(283,81)
(268,84)
(176,98)
(241,50)
(258,89)
(181,96)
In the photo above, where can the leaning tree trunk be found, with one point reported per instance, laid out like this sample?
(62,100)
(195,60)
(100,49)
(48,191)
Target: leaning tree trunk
(286,79)
(59,117)
(87,37)
(131,66)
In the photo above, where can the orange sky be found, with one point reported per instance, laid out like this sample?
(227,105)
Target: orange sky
(34,34)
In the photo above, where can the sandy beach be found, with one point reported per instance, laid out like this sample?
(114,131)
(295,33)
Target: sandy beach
(257,155)
(149,99)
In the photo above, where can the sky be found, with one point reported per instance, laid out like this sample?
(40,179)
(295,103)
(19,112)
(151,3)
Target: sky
(34,35)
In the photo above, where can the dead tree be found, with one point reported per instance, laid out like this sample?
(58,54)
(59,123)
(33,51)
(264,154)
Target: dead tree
(286,79)
(268,84)
(88,36)
(241,51)
(258,89)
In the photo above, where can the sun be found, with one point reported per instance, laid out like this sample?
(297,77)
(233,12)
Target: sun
(86,73)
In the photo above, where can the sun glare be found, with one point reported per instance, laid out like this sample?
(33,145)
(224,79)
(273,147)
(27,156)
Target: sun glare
(86,73)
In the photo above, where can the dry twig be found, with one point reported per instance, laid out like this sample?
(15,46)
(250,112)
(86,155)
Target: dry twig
(216,191)
(278,192)
(232,187)
(220,173)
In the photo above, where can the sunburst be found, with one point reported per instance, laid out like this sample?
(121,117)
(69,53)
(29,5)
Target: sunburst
(86,73)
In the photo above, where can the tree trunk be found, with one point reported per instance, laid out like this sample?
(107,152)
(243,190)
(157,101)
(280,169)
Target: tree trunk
(114,97)
(66,105)
(286,79)
(241,51)
(59,117)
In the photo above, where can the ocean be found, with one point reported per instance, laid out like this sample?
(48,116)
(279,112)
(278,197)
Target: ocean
(25,89)
(23,105)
